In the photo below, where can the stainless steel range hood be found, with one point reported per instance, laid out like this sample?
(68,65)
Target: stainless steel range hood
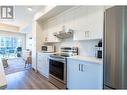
(64,33)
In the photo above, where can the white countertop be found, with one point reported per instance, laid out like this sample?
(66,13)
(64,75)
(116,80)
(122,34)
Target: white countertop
(47,52)
(87,58)
(3,81)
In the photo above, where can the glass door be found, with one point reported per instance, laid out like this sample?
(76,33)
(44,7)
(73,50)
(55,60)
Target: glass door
(8,46)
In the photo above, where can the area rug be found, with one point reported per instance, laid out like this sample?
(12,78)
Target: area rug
(15,65)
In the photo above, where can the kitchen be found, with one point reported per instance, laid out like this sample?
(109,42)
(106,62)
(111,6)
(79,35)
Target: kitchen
(68,35)
(67,45)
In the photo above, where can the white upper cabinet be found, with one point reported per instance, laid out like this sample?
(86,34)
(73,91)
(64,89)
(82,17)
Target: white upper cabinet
(59,23)
(45,32)
(49,28)
(80,23)
(65,21)
(88,23)
(95,22)
(68,19)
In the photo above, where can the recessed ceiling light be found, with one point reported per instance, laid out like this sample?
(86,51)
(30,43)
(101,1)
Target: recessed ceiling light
(29,8)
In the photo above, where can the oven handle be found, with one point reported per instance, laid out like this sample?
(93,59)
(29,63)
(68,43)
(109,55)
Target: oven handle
(56,59)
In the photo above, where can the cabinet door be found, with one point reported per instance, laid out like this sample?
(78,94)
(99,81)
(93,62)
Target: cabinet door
(51,29)
(45,32)
(95,22)
(88,23)
(73,74)
(84,75)
(43,64)
(80,23)
(91,75)
(59,23)
(46,66)
(68,19)
(40,61)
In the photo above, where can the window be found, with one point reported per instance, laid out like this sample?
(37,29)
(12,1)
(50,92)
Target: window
(8,45)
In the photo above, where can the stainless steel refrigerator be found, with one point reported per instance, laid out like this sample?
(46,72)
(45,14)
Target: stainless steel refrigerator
(115,48)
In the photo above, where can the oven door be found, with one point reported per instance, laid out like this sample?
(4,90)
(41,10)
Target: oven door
(57,69)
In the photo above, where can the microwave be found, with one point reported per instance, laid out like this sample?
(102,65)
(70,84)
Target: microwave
(47,48)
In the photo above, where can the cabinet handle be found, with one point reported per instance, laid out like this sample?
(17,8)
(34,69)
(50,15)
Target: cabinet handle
(82,67)
(87,33)
(79,67)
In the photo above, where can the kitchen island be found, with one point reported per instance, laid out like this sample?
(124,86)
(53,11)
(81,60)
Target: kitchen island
(3,81)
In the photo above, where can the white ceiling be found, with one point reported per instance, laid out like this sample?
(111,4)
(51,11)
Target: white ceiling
(23,17)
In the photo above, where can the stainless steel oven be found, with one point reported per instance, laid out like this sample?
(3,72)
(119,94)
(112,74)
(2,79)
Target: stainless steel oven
(58,66)
(57,72)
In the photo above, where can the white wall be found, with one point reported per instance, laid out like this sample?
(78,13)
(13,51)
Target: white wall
(37,38)
(29,41)
(14,34)
(29,34)
(28,31)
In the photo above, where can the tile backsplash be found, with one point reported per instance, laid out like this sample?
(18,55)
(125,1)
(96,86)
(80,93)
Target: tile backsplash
(86,47)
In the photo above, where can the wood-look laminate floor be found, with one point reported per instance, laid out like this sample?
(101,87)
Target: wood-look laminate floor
(28,79)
